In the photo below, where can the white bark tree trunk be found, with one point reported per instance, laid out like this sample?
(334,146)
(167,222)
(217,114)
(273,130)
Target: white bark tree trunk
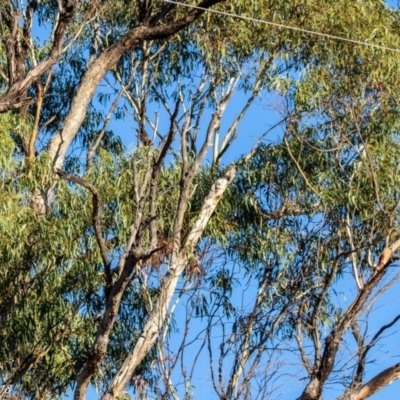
(158,314)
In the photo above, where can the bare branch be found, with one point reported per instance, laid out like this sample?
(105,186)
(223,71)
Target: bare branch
(98,68)
(96,220)
(314,387)
(354,263)
(99,138)
(299,339)
(378,382)
(157,316)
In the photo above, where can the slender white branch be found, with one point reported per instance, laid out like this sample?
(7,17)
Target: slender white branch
(157,317)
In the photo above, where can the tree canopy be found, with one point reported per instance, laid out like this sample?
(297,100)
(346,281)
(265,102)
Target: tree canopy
(197,192)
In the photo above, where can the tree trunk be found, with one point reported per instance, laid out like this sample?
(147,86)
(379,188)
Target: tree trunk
(158,314)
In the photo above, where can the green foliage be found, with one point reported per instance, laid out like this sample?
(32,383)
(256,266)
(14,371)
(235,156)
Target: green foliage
(52,277)
(284,221)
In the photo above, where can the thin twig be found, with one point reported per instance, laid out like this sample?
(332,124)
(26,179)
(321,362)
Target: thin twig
(95,219)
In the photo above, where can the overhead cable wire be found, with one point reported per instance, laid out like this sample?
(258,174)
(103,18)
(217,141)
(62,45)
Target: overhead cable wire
(283,26)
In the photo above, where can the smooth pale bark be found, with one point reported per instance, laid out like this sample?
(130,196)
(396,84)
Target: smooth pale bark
(59,146)
(374,385)
(60,143)
(96,71)
(158,314)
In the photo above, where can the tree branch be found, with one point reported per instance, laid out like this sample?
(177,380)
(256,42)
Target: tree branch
(60,142)
(378,382)
(178,263)
(313,389)
(11,99)
(95,220)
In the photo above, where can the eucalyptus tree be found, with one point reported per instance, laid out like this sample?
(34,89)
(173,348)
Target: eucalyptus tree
(317,223)
(82,248)
(313,242)
(97,241)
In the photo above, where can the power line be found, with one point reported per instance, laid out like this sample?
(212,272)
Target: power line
(283,26)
